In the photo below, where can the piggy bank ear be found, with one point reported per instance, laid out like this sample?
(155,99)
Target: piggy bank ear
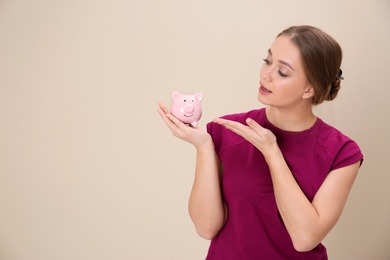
(176,95)
(199,96)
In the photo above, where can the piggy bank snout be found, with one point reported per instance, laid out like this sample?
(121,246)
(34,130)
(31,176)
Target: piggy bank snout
(189,108)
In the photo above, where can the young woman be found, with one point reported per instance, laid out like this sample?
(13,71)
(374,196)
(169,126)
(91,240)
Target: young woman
(272,182)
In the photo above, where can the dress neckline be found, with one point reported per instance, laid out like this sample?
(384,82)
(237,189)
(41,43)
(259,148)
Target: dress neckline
(274,128)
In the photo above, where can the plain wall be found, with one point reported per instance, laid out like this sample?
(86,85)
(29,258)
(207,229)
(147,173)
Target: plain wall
(87,168)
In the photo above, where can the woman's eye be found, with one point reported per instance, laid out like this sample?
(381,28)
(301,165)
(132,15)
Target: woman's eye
(268,62)
(282,74)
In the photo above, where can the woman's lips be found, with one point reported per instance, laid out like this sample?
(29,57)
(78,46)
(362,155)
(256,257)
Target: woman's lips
(264,91)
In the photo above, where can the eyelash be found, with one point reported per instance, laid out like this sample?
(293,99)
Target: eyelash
(267,62)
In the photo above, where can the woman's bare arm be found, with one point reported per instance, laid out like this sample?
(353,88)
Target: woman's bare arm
(309,222)
(206,206)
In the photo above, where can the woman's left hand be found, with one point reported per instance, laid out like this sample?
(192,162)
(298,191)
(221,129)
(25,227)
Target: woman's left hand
(262,138)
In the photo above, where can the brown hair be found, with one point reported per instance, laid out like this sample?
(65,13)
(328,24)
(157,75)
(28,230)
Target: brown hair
(321,57)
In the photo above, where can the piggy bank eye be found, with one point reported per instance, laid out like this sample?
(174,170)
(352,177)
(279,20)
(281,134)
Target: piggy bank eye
(185,100)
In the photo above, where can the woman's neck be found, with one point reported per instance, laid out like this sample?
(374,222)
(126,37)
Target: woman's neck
(291,120)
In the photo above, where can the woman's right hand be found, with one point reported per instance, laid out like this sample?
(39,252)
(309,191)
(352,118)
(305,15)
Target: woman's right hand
(193,135)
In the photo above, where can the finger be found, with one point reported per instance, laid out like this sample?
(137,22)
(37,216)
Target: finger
(228,123)
(165,116)
(263,133)
(234,126)
(174,119)
(161,112)
(255,126)
(223,122)
(162,106)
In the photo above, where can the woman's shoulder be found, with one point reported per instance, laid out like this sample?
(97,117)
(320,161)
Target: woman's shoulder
(337,145)
(330,134)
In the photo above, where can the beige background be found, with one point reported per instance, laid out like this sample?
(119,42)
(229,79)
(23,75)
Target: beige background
(87,168)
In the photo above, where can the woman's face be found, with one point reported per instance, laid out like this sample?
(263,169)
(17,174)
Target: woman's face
(283,81)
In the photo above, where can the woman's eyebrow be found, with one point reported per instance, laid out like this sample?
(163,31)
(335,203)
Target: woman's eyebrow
(282,61)
(286,64)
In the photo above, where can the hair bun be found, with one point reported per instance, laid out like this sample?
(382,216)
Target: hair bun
(334,89)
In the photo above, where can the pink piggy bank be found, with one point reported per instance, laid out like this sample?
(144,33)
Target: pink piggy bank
(187,108)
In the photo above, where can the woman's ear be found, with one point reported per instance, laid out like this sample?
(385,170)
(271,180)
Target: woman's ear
(309,93)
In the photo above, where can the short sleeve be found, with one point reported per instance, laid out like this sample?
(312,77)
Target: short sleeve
(348,154)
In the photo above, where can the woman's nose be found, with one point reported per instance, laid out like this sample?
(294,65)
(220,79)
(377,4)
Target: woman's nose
(265,73)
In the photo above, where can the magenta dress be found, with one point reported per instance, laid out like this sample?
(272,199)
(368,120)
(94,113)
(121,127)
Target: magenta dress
(254,229)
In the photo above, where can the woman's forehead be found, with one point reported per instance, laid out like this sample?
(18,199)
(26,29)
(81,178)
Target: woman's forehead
(283,49)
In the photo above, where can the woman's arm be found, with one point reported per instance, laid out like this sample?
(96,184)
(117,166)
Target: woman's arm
(206,206)
(307,222)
